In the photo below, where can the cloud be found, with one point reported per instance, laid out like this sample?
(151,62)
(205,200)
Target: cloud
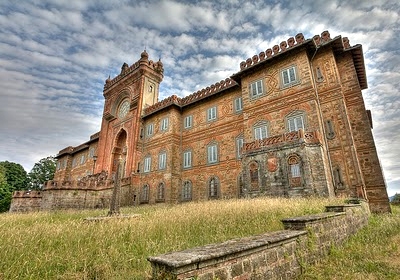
(55,56)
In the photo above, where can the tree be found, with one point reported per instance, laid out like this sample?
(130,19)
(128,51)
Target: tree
(42,172)
(13,177)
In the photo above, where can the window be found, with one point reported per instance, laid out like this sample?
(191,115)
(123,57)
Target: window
(261,130)
(164,124)
(289,76)
(145,193)
(213,187)
(239,146)
(238,105)
(295,170)
(74,162)
(149,130)
(83,159)
(161,192)
(64,164)
(162,160)
(212,113)
(91,152)
(294,162)
(187,159)
(147,164)
(187,191)
(187,122)
(296,122)
(256,89)
(58,165)
(212,153)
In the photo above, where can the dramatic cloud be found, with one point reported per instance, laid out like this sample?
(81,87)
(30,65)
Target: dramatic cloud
(55,56)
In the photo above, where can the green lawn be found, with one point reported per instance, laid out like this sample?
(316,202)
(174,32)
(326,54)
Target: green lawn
(61,245)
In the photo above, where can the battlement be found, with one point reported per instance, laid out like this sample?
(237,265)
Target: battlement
(27,194)
(194,97)
(126,69)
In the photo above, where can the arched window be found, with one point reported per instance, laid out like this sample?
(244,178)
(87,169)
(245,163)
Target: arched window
(187,191)
(213,188)
(294,162)
(161,192)
(144,198)
(254,175)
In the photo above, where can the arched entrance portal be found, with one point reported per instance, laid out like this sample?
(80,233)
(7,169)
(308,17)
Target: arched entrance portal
(119,154)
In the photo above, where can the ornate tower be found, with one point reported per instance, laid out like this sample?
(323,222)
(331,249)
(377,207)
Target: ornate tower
(126,96)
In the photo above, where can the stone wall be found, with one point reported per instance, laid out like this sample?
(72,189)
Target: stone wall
(275,255)
(26,201)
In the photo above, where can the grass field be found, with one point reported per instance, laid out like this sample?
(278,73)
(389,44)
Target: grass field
(61,245)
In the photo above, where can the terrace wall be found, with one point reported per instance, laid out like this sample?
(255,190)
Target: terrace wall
(275,255)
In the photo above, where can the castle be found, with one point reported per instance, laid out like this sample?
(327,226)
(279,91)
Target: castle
(292,122)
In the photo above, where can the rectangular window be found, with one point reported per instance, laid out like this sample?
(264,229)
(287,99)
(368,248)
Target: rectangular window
(295,170)
(238,105)
(83,158)
(147,164)
(187,122)
(239,147)
(187,159)
(164,124)
(289,76)
(256,89)
(212,113)
(260,132)
(212,154)
(295,123)
(149,130)
(162,160)
(74,162)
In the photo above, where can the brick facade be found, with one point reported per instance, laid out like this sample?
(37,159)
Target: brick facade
(291,122)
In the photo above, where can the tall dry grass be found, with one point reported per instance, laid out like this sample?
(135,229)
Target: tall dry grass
(61,245)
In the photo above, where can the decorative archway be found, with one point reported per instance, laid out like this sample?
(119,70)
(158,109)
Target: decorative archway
(119,153)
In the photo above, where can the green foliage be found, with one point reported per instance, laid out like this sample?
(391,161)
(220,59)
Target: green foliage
(396,199)
(42,172)
(16,175)
(12,177)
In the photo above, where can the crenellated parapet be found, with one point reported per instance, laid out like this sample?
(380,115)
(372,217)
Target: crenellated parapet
(205,92)
(171,100)
(27,194)
(194,97)
(126,69)
(89,182)
(277,49)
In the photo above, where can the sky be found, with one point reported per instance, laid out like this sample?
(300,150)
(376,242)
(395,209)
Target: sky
(55,56)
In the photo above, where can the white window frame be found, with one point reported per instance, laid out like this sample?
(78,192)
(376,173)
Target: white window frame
(188,122)
(147,164)
(295,122)
(295,170)
(289,76)
(256,89)
(238,104)
(149,129)
(212,153)
(239,146)
(213,187)
(187,159)
(162,160)
(164,124)
(212,114)
(260,131)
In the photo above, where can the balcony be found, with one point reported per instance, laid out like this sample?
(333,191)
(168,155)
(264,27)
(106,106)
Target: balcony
(295,137)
